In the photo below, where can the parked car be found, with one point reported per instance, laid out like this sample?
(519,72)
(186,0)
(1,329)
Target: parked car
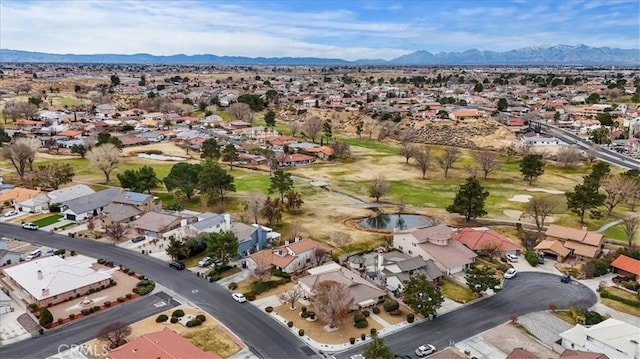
(510,273)
(176,265)
(34,254)
(619,278)
(239,297)
(30,226)
(512,257)
(541,258)
(565,278)
(425,350)
(205,262)
(11,213)
(138,239)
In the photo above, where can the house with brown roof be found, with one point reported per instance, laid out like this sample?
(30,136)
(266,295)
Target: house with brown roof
(157,225)
(16,195)
(295,159)
(322,152)
(480,239)
(292,257)
(561,242)
(626,266)
(164,344)
(436,243)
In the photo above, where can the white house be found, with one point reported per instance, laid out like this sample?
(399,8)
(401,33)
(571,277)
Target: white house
(612,337)
(88,206)
(40,203)
(292,256)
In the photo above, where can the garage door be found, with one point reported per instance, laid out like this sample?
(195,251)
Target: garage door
(71,217)
(4,309)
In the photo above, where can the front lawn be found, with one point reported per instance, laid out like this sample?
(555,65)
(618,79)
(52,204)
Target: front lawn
(47,221)
(619,306)
(456,292)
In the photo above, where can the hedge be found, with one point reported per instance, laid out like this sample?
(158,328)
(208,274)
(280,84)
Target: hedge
(261,287)
(631,302)
(410,318)
(358,317)
(361,324)
(390,306)
(162,318)
(279,273)
(531,257)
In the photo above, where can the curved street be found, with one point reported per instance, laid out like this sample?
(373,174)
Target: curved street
(528,292)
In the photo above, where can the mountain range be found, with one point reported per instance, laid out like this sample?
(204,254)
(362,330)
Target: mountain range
(538,55)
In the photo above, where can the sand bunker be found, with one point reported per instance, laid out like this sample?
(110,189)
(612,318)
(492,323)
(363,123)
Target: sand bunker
(550,191)
(524,198)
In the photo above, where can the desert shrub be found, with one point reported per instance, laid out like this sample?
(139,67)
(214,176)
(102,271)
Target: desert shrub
(233,285)
(107,304)
(410,318)
(201,317)
(178,313)
(303,309)
(361,324)
(352,340)
(363,336)
(72,316)
(251,296)
(280,273)
(373,331)
(129,295)
(312,315)
(144,287)
(60,320)
(289,324)
(269,309)
(85,311)
(96,308)
(162,318)
(174,320)
(366,313)
(101,261)
(301,332)
(141,277)
(391,305)
(376,310)
(304,314)
(396,312)
(193,323)
(358,317)
(120,299)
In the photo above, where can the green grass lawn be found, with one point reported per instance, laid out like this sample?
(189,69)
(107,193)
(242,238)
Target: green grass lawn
(456,292)
(47,221)
(617,232)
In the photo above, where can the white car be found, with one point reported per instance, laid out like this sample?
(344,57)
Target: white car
(204,262)
(30,226)
(512,257)
(425,350)
(11,213)
(238,297)
(510,273)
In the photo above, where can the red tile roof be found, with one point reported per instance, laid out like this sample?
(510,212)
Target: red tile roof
(70,133)
(627,264)
(165,344)
(480,238)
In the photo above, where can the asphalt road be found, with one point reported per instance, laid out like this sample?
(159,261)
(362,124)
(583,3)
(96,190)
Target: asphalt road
(86,329)
(265,337)
(527,292)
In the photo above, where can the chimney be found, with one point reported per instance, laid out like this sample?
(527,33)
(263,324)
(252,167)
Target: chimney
(40,276)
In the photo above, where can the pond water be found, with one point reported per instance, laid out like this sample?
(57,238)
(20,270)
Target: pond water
(388,222)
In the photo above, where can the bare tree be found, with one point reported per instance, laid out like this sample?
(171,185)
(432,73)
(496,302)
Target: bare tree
(240,111)
(341,149)
(406,151)
(386,129)
(332,301)
(617,189)
(292,296)
(105,158)
(422,156)
(630,224)
(23,87)
(253,205)
(509,152)
(261,274)
(115,334)
(294,127)
(21,153)
(539,208)
(28,110)
(116,231)
(592,152)
(11,111)
(488,161)
(312,127)
(378,188)
(408,134)
(448,158)
(568,156)
(492,248)
(320,256)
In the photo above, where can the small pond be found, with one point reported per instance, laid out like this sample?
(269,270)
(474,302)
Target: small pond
(387,222)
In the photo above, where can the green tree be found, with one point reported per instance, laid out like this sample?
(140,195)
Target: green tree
(271,210)
(281,182)
(210,149)
(270,119)
(183,176)
(327,130)
(377,349)
(479,279)
(502,104)
(176,249)
(140,180)
(593,98)
(469,200)
(421,295)
(223,245)
(605,119)
(600,136)
(587,196)
(79,149)
(105,137)
(46,318)
(115,80)
(293,200)
(230,155)
(255,102)
(478,87)
(214,181)
(532,167)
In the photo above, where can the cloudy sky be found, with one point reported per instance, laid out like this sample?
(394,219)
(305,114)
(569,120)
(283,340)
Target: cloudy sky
(348,29)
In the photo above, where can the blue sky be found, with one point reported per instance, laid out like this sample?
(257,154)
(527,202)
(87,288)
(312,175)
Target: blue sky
(348,29)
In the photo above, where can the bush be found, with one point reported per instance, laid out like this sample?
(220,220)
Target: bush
(304,314)
(373,331)
(631,285)
(391,305)
(376,310)
(601,266)
(361,324)
(303,309)
(358,317)
(193,323)
(269,309)
(178,313)
(174,320)
(120,299)
(410,318)
(279,273)
(352,340)
(592,318)
(233,285)
(251,296)
(214,277)
(101,261)
(85,311)
(312,315)
(289,324)
(72,316)
(162,318)
(261,287)
(366,313)
(129,295)
(531,257)
(201,317)
(33,307)
(144,287)
(634,303)
(396,312)
(96,308)
(107,304)
(363,336)
(301,332)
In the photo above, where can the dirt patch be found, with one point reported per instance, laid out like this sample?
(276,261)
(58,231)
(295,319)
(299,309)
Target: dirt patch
(508,337)
(167,148)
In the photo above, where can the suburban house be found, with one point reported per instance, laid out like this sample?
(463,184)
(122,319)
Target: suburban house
(292,257)
(127,206)
(7,256)
(579,354)
(15,195)
(165,344)
(53,280)
(436,243)
(158,224)
(626,266)
(42,202)
(480,239)
(364,293)
(561,242)
(295,159)
(612,337)
(396,267)
(5,302)
(88,206)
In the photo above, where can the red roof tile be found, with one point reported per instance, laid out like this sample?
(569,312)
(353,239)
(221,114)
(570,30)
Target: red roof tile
(627,264)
